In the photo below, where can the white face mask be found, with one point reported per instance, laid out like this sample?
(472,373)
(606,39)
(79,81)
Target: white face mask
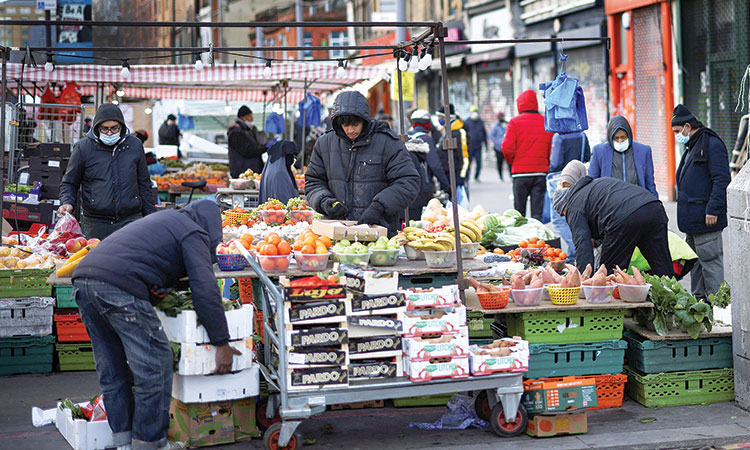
(681,138)
(249,123)
(474,115)
(109,140)
(621,146)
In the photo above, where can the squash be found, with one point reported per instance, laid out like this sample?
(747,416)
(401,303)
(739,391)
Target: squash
(70,265)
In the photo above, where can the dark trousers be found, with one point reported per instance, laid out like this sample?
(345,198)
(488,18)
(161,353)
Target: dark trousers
(646,229)
(100,229)
(500,159)
(475,156)
(525,187)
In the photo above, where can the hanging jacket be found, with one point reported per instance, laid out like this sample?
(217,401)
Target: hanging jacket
(702,180)
(526,145)
(434,166)
(460,153)
(309,111)
(375,167)
(245,149)
(277,180)
(152,254)
(113,180)
(604,153)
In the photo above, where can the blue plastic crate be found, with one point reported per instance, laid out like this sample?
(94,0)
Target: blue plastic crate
(563,360)
(649,356)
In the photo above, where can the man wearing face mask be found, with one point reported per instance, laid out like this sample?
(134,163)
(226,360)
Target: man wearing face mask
(622,158)
(702,180)
(245,144)
(109,168)
(477,139)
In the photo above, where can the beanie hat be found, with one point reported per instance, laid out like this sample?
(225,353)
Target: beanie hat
(573,171)
(244,110)
(681,115)
(559,200)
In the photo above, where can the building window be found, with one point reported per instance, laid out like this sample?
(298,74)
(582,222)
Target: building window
(10,10)
(25,10)
(338,38)
(387,6)
(308,42)
(25,32)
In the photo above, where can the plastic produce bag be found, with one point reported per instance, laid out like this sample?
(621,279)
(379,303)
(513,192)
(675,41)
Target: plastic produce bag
(565,105)
(66,228)
(94,410)
(460,416)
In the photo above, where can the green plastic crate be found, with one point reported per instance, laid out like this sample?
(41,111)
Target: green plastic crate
(568,326)
(425,400)
(64,296)
(435,280)
(26,354)
(479,325)
(75,357)
(480,342)
(673,356)
(25,283)
(680,388)
(564,360)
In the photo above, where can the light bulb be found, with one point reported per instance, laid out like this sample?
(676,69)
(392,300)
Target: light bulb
(148,110)
(414,64)
(198,64)
(120,93)
(403,64)
(267,69)
(341,70)
(125,72)
(115,102)
(425,62)
(228,109)
(49,66)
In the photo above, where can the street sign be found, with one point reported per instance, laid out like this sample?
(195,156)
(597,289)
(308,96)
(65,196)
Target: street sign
(46,5)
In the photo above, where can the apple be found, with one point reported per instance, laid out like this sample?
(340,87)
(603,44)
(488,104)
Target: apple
(84,242)
(93,242)
(72,245)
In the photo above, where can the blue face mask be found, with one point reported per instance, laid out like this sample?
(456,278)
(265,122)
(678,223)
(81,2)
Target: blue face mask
(109,140)
(681,138)
(441,121)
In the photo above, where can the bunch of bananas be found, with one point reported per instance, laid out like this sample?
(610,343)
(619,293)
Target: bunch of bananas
(470,231)
(419,239)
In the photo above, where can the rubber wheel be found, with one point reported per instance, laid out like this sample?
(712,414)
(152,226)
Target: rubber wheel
(482,406)
(271,438)
(261,420)
(508,429)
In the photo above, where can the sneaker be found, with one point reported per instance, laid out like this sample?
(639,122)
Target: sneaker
(173,446)
(124,447)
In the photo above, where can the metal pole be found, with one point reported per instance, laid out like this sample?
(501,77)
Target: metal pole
(48,28)
(301,161)
(260,40)
(300,31)
(3,99)
(451,145)
(401,123)
(174,32)
(400,17)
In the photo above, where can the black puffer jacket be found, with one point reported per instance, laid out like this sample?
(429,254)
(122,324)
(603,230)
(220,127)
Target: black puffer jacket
(113,180)
(374,168)
(245,149)
(154,253)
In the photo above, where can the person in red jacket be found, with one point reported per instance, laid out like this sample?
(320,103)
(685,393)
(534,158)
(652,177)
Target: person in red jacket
(526,147)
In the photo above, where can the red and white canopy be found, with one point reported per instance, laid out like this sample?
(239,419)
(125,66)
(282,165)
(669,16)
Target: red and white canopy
(243,82)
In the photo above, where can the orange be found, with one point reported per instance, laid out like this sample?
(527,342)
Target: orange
(533,240)
(267,264)
(523,244)
(541,243)
(298,245)
(269,249)
(326,241)
(310,240)
(273,238)
(308,249)
(321,249)
(284,248)
(563,256)
(282,263)
(558,252)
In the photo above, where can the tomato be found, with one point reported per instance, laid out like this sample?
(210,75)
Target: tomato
(273,238)
(284,248)
(558,251)
(308,249)
(533,240)
(269,250)
(523,244)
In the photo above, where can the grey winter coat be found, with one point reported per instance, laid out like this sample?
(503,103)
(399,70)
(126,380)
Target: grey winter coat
(374,168)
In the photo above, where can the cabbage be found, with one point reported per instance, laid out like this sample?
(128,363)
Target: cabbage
(514,235)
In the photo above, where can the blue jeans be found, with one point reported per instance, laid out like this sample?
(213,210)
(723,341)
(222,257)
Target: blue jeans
(126,333)
(558,221)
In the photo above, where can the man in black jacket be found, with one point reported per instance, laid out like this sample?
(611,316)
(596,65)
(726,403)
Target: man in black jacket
(360,170)
(245,144)
(116,286)
(109,168)
(454,128)
(621,214)
(169,134)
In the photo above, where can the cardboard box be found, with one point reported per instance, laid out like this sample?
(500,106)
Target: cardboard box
(496,360)
(327,311)
(41,164)
(323,356)
(553,425)
(317,337)
(380,369)
(365,305)
(200,359)
(456,368)
(212,388)
(49,150)
(212,423)
(369,326)
(348,229)
(185,328)
(317,378)
(417,323)
(40,213)
(559,396)
(443,297)
(369,281)
(425,349)
(305,294)
(81,434)
(375,347)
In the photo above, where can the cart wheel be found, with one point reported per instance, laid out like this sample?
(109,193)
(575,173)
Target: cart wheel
(508,429)
(261,420)
(271,438)
(482,406)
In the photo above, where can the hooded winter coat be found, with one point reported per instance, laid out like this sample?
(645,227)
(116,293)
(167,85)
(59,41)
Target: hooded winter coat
(637,156)
(418,151)
(527,145)
(460,153)
(113,180)
(245,149)
(375,168)
(702,180)
(277,180)
(152,254)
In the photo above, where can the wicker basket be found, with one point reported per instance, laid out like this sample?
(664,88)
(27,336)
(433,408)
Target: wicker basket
(564,296)
(231,261)
(494,300)
(236,218)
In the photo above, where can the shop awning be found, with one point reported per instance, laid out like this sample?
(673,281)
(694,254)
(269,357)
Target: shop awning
(494,55)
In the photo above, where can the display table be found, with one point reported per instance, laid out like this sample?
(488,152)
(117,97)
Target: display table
(675,335)
(244,198)
(472,304)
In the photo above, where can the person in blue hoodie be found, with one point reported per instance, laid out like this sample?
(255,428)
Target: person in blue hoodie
(623,158)
(116,287)
(109,168)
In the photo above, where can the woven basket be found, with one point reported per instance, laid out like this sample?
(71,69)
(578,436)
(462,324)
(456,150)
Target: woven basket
(229,262)
(236,218)
(564,296)
(494,300)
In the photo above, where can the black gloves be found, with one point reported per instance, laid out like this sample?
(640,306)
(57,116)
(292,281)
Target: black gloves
(334,208)
(373,215)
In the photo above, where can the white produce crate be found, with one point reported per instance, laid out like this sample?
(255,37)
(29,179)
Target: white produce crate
(185,328)
(26,316)
(83,435)
(200,359)
(214,388)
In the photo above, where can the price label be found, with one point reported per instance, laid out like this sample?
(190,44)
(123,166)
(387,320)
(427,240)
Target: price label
(54,163)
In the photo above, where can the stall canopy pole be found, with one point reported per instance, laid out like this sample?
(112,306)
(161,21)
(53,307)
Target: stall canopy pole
(3,99)
(401,123)
(450,144)
(303,116)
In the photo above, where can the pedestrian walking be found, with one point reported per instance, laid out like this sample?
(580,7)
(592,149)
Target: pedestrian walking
(497,134)
(454,128)
(477,140)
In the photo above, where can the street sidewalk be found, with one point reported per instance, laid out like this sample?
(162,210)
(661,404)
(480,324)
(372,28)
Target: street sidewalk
(632,427)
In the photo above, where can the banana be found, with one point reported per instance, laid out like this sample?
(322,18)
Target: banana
(474,227)
(447,242)
(408,230)
(411,237)
(465,239)
(434,246)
